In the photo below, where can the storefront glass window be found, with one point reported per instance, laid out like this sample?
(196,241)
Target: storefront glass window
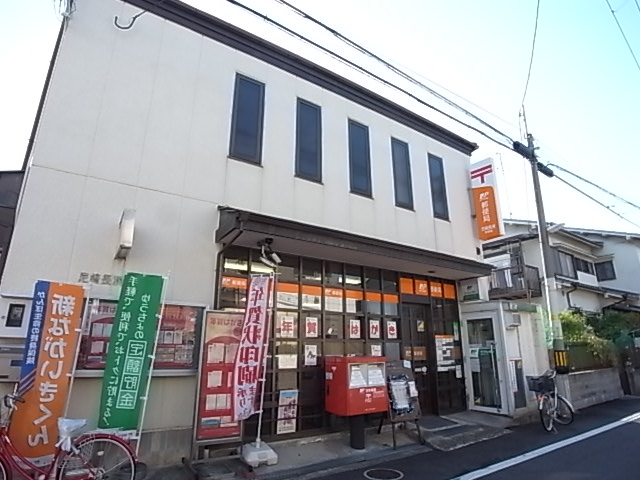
(311,270)
(289,269)
(176,339)
(372,279)
(333,274)
(333,326)
(353,276)
(236,260)
(389,281)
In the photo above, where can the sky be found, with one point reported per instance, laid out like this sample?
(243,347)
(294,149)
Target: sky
(582,103)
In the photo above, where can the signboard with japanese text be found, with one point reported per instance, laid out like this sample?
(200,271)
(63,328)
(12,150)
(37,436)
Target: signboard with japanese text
(311,327)
(175,343)
(252,348)
(287,411)
(49,358)
(130,349)
(392,330)
(374,328)
(214,415)
(485,199)
(354,328)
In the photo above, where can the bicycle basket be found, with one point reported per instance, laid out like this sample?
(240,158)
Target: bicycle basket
(540,384)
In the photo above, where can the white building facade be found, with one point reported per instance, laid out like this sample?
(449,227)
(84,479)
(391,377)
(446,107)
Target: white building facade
(210,141)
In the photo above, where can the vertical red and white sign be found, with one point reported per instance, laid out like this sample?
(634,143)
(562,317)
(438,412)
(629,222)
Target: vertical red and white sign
(252,348)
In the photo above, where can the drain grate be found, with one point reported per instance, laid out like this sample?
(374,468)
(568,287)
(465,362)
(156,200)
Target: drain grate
(383,474)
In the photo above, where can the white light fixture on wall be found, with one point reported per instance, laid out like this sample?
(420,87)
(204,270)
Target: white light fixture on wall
(127,223)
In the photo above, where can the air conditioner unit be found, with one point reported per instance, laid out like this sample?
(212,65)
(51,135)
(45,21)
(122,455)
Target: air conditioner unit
(514,320)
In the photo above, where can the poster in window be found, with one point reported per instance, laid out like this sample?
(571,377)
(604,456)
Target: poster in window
(287,411)
(176,339)
(286,326)
(311,355)
(354,328)
(392,329)
(221,336)
(374,328)
(311,327)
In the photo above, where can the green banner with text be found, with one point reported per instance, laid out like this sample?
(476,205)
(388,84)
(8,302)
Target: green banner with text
(129,352)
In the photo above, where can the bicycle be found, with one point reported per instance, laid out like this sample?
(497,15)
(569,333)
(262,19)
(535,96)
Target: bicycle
(551,405)
(90,456)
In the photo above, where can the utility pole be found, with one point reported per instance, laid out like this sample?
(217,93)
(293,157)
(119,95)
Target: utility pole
(559,359)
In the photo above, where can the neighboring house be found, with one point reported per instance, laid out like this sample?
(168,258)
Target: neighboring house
(516,333)
(584,266)
(617,265)
(210,141)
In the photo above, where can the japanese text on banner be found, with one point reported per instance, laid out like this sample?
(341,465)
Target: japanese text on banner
(251,351)
(130,348)
(50,353)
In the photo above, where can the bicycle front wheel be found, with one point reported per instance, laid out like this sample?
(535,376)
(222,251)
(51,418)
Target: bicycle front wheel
(546,409)
(101,458)
(564,414)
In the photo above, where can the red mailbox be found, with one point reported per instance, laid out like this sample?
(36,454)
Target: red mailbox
(355,385)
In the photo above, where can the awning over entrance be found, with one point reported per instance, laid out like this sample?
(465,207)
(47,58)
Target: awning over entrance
(247,229)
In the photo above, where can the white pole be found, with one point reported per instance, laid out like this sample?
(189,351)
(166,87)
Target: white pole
(153,359)
(270,311)
(83,322)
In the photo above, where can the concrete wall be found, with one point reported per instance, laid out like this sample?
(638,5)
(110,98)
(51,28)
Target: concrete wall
(594,386)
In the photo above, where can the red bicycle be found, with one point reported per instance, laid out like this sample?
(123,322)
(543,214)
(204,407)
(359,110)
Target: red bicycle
(91,456)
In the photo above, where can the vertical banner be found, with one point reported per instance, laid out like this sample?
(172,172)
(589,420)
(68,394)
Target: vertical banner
(251,352)
(485,199)
(214,409)
(130,348)
(49,357)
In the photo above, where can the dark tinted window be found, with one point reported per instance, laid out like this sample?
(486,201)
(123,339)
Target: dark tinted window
(605,271)
(401,173)
(359,159)
(246,124)
(438,188)
(583,266)
(308,142)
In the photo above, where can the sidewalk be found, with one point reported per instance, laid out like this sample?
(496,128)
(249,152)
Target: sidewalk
(331,453)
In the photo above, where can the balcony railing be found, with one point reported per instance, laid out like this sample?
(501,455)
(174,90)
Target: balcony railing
(521,281)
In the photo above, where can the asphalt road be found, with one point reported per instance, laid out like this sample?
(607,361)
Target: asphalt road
(614,454)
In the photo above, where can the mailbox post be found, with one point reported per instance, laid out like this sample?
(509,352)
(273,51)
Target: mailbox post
(355,387)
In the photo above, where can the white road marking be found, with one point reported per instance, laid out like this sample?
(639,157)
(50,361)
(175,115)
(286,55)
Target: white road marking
(546,449)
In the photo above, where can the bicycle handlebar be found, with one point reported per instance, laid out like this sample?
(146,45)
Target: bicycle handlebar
(10,399)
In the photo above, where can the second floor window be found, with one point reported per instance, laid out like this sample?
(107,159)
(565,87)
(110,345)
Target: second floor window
(402,173)
(566,265)
(583,266)
(247,120)
(438,188)
(309,142)
(605,271)
(359,159)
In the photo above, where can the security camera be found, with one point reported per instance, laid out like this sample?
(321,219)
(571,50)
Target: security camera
(276,258)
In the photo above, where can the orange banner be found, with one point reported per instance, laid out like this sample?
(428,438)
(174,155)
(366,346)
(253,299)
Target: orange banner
(487,221)
(54,326)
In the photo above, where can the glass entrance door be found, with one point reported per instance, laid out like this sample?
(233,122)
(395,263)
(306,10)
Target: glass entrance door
(483,362)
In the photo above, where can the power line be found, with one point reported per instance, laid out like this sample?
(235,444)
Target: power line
(533,48)
(637,5)
(622,32)
(371,74)
(597,201)
(391,67)
(594,185)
